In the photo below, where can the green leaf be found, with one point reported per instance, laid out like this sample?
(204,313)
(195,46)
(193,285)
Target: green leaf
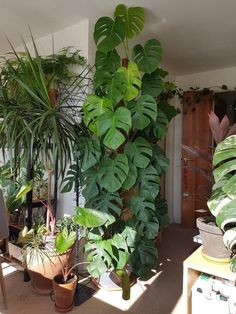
(230,187)
(145,222)
(113,172)
(133,79)
(168,110)
(150,182)
(160,127)
(89,218)
(224,169)
(149,57)
(133,19)
(229,239)
(106,202)
(222,155)
(144,257)
(108,33)
(130,236)
(93,108)
(152,84)
(90,152)
(131,177)
(89,179)
(112,123)
(25,188)
(109,62)
(226,216)
(217,201)
(233,264)
(159,160)
(64,240)
(139,152)
(113,86)
(143,111)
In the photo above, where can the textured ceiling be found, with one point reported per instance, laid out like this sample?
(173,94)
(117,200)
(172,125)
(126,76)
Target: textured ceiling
(197,35)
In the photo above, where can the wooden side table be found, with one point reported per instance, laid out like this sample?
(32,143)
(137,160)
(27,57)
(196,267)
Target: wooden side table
(196,264)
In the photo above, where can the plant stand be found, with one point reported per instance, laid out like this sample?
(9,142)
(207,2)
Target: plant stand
(196,264)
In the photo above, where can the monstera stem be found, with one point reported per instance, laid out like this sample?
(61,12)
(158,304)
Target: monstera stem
(125,284)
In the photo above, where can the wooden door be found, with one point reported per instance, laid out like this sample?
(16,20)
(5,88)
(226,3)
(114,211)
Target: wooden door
(195,132)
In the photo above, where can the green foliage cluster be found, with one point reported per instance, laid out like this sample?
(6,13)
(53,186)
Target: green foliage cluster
(121,162)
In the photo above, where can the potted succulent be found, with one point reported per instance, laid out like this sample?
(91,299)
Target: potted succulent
(120,160)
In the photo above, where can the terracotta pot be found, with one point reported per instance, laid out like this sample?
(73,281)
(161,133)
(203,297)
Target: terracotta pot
(64,293)
(212,240)
(43,267)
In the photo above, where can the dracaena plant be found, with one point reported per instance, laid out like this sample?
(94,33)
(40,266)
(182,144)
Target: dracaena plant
(120,160)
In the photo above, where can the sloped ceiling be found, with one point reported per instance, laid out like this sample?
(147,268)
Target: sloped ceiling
(197,35)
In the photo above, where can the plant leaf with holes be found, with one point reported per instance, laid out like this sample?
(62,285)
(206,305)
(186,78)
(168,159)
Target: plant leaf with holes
(152,84)
(111,124)
(108,33)
(133,18)
(131,179)
(133,78)
(139,152)
(93,108)
(113,172)
(143,111)
(149,56)
(159,160)
(149,182)
(89,183)
(107,61)
(90,152)
(113,86)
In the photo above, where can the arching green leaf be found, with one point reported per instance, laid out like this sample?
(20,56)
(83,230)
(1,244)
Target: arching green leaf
(159,160)
(113,172)
(108,33)
(89,218)
(113,86)
(89,152)
(143,111)
(160,126)
(93,108)
(131,177)
(133,78)
(111,124)
(152,84)
(139,152)
(133,18)
(64,240)
(107,61)
(149,182)
(148,57)
(89,179)
(108,203)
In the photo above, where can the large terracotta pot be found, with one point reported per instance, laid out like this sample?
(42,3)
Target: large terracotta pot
(212,240)
(43,266)
(64,292)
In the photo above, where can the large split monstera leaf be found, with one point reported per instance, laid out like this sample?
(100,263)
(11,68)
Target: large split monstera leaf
(113,172)
(108,33)
(148,57)
(89,183)
(89,152)
(112,124)
(222,203)
(112,86)
(93,108)
(133,79)
(139,152)
(143,111)
(107,61)
(133,19)
(144,219)
(152,84)
(149,182)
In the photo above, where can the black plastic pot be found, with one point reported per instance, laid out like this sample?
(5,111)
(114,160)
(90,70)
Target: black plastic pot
(212,240)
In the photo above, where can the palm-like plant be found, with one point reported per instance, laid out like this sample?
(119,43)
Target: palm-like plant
(33,125)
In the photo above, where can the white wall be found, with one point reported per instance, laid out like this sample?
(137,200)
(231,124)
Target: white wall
(204,79)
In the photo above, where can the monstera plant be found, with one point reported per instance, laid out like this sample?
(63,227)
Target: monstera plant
(120,160)
(222,203)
